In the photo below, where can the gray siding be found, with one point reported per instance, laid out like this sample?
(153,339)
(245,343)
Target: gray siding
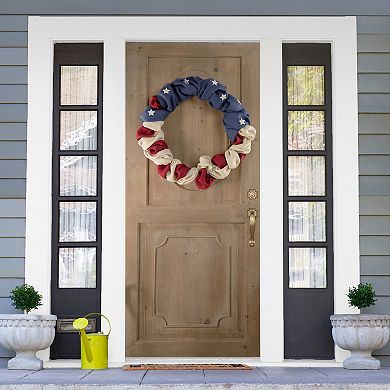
(374,159)
(199,7)
(374,118)
(13,116)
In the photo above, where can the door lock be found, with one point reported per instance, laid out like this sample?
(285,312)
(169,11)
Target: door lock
(252,194)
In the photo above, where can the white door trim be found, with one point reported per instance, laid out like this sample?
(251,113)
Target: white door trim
(270,32)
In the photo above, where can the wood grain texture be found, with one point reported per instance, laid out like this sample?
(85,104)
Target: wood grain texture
(191,278)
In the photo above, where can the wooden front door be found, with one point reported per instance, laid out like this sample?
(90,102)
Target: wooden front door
(192,280)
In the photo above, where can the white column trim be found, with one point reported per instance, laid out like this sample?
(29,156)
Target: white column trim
(39,171)
(345,172)
(113,198)
(271,201)
(270,32)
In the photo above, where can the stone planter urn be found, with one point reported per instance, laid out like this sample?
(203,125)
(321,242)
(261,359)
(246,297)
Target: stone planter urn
(26,334)
(361,334)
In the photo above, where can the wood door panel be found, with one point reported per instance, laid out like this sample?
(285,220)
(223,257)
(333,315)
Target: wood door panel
(194,123)
(192,281)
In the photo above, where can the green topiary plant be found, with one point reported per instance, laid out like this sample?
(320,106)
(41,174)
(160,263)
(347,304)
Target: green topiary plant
(363,295)
(25,298)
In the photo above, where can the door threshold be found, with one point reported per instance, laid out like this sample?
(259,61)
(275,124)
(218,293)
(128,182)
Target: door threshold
(253,361)
(250,361)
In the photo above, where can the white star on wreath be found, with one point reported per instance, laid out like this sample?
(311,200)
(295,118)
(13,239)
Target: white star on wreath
(186,81)
(214,82)
(242,121)
(151,112)
(166,90)
(223,96)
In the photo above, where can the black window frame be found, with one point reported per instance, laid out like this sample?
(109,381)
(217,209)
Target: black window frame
(307,308)
(70,303)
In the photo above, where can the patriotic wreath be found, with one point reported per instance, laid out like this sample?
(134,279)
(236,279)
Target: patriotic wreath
(236,122)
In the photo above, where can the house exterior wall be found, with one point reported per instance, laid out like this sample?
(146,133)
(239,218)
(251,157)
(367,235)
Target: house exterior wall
(13,117)
(374,159)
(374,122)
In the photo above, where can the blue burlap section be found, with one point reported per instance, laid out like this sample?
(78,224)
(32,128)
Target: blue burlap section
(235,116)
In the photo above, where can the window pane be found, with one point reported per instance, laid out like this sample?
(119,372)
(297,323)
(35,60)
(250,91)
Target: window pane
(78,175)
(306,221)
(307,267)
(79,85)
(306,175)
(77,268)
(78,130)
(305,85)
(77,221)
(306,130)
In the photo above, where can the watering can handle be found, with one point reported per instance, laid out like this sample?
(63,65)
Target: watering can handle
(101,315)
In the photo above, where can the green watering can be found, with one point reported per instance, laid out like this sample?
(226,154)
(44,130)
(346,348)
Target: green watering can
(94,346)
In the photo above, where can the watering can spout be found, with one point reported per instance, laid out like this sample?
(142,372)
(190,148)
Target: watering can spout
(94,346)
(81,324)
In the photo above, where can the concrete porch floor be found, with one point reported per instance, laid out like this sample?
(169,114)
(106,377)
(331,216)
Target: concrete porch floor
(275,378)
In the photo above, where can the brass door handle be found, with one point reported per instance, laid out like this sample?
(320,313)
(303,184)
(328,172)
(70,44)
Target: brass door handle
(252,214)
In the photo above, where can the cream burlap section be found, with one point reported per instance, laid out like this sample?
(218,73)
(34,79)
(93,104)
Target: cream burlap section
(156,126)
(248,132)
(164,157)
(213,170)
(189,177)
(147,142)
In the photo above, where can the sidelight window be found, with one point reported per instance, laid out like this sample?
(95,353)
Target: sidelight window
(77,187)
(307,139)
(76,157)
(308,241)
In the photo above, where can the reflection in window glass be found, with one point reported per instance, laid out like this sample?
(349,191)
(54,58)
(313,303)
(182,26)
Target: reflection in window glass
(77,221)
(305,85)
(77,268)
(78,130)
(79,85)
(78,175)
(306,175)
(306,130)
(306,221)
(307,267)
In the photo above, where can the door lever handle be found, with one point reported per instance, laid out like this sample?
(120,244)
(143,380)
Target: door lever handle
(252,215)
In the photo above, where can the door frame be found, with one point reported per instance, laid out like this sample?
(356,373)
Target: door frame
(270,32)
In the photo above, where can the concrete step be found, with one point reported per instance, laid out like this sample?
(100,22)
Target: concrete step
(267,378)
(236,386)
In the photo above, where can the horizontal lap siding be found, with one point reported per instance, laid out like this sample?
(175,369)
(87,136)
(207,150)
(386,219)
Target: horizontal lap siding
(374,130)
(198,7)
(374,160)
(13,118)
